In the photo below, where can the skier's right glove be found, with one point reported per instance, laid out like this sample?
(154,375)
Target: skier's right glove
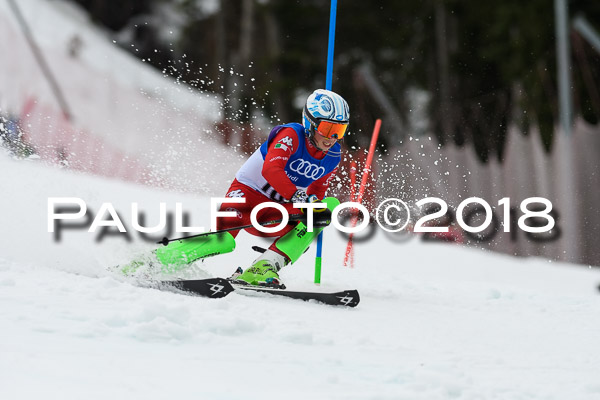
(300,196)
(321,216)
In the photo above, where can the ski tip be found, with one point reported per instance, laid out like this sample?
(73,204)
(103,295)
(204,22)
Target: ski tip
(349,298)
(346,298)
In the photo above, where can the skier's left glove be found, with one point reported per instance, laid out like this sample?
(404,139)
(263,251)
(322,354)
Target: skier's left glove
(321,217)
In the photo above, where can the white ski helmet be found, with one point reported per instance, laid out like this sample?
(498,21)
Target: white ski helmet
(325,112)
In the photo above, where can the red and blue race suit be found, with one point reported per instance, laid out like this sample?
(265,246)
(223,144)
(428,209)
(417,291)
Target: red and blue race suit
(285,162)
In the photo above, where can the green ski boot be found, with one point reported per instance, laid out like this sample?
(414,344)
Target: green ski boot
(264,271)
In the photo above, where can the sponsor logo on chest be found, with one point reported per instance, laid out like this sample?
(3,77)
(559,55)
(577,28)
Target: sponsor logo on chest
(307,169)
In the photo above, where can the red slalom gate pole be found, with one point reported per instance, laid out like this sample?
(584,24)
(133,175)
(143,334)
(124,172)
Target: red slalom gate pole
(367,169)
(363,184)
(349,248)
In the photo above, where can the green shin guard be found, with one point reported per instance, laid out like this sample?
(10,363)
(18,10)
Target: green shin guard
(179,253)
(295,242)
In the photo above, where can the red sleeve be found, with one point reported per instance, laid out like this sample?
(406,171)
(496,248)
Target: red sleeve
(319,187)
(280,150)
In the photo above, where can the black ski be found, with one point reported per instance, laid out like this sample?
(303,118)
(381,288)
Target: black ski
(219,287)
(210,287)
(347,298)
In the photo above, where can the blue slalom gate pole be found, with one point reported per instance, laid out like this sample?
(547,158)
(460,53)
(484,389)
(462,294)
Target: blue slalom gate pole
(331,44)
(330,47)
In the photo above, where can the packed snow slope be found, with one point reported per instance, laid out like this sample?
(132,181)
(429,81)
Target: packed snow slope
(436,321)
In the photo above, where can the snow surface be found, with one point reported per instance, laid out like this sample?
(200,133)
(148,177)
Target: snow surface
(436,321)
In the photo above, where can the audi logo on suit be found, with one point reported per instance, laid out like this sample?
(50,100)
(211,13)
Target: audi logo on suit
(307,169)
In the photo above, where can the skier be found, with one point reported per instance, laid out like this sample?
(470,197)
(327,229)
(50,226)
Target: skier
(294,165)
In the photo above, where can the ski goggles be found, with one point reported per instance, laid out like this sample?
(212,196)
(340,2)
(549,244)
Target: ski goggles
(331,130)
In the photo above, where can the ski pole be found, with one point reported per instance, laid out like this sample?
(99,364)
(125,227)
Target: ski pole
(165,240)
